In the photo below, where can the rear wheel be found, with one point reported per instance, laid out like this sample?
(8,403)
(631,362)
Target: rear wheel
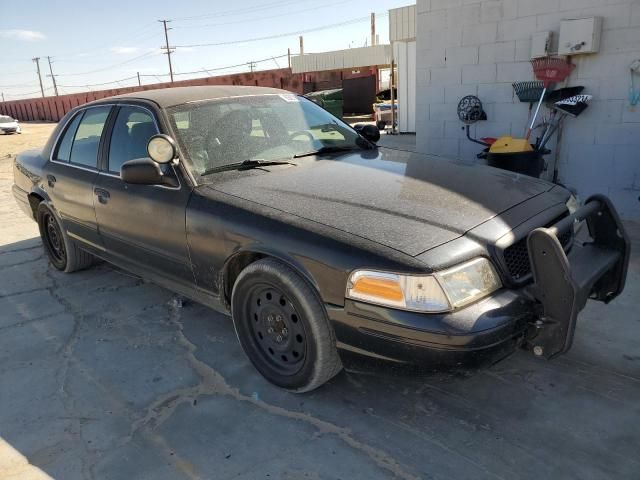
(283,328)
(63,253)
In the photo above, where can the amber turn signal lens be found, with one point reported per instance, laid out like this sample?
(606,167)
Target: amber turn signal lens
(383,288)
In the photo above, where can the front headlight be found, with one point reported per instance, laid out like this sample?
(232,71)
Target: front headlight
(439,292)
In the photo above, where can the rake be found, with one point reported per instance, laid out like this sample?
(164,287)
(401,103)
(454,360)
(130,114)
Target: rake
(548,70)
(528,92)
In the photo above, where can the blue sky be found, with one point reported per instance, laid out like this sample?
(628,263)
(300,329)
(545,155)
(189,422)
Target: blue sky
(91,44)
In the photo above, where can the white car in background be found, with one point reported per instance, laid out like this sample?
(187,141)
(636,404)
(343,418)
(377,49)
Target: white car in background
(9,125)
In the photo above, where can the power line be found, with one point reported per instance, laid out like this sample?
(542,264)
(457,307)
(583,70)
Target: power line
(261,18)
(279,35)
(19,85)
(109,67)
(238,11)
(130,38)
(254,62)
(98,84)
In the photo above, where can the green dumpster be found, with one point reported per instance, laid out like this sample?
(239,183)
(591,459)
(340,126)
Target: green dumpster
(330,100)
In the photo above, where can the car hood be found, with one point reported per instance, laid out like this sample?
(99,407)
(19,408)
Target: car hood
(9,125)
(407,201)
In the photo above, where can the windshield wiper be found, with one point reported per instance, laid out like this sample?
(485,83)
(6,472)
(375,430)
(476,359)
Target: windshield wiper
(327,149)
(246,165)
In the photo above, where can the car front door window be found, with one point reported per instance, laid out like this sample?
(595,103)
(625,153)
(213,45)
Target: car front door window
(131,132)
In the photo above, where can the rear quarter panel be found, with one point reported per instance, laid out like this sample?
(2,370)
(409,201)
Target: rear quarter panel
(28,172)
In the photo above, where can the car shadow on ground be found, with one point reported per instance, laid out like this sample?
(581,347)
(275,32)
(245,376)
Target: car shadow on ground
(103,375)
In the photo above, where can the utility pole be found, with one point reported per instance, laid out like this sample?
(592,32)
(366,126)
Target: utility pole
(252,66)
(373,29)
(53,77)
(2,97)
(301,45)
(139,82)
(37,60)
(169,51)
(289,57)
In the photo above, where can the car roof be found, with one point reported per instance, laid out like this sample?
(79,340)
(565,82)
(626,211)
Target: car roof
(169,97)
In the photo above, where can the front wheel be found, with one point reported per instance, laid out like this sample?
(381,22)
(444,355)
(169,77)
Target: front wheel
(283,327)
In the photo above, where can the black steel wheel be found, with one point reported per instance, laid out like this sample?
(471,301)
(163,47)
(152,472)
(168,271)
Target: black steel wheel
(53,240)
(63,254)
(283,327)
(277,331)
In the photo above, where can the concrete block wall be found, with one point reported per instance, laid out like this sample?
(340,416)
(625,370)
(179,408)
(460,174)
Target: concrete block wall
(480,47)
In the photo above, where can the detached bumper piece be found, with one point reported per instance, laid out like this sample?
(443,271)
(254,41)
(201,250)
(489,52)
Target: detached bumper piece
(563,283)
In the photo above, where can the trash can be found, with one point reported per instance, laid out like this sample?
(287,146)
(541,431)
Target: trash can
(330,100)
(527,163)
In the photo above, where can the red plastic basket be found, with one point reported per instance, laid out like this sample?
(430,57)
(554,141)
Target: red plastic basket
(551,69)
(548,70)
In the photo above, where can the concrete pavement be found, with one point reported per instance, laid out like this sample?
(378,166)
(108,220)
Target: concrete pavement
(105,376)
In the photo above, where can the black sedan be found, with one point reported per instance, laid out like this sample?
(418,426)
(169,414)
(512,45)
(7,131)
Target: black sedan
(323,247)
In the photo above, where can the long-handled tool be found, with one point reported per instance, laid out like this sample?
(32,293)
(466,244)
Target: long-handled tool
(550,100)
(549,70)
(528,92)
(572,106)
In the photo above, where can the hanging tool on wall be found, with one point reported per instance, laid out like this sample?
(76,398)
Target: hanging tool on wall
(550,100)
(572,106)
(548,70)
(528,92)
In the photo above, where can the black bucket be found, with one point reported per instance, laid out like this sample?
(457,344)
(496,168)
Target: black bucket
(527,163)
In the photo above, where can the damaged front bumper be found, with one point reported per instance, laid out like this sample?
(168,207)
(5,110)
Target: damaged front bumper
(563,283)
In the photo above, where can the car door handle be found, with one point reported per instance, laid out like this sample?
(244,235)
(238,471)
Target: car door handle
(51,180)
(103,195)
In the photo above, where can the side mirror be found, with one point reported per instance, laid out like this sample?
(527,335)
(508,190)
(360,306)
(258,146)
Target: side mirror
(162,148)
(145,171)
(370,132)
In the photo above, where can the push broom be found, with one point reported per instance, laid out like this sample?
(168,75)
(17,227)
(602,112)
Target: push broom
(548,70)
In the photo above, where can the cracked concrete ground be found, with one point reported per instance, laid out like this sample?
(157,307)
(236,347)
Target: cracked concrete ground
(102,377)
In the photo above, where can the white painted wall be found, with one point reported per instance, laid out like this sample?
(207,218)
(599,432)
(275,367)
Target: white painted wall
(480,47)
(404,55)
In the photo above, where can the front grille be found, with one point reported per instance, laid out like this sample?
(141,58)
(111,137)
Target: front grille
(516,256)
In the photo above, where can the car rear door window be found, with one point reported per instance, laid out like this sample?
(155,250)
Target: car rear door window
(63,151)
(86,142)
(132,130)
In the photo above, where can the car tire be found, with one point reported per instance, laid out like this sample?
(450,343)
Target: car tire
(63,253)
(283,327)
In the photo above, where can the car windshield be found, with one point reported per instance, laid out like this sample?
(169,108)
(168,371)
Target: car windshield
(222,132)
(5,119)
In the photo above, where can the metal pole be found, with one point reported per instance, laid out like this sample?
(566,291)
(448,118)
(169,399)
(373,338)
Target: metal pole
(393,106)
(289,57)
(301,45)
(37,60)
(168,50)
(2,96)
(139,82)
(373,29)
(53,78)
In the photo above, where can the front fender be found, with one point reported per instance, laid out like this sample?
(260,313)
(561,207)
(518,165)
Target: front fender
(260,250)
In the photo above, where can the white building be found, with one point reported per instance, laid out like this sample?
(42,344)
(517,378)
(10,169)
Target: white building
(480,47)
